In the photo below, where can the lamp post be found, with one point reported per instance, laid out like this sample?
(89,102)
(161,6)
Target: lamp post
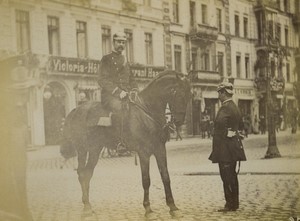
(272,151)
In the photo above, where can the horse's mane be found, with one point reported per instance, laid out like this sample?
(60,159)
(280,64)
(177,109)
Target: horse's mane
(162,75)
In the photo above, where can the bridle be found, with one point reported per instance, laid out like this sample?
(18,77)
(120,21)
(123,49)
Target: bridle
(134,99)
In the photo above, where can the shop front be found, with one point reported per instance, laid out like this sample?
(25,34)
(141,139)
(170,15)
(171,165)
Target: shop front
(248,106)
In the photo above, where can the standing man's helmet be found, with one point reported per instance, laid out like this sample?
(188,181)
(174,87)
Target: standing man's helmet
(120,36)
(228,87)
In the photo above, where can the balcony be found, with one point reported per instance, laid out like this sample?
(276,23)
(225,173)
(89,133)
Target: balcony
(201,32)
(202,76)
(271,4)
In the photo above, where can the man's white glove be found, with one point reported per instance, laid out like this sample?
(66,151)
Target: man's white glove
(123,94)
(230,133)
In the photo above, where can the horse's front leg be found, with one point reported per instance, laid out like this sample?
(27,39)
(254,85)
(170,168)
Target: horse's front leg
(145,163)
(161,159)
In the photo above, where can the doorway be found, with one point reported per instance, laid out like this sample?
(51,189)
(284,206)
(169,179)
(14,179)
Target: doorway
(54,112)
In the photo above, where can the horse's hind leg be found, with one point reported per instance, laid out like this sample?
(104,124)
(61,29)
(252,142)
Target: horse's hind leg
(82,156)
(145,162)
(86,174)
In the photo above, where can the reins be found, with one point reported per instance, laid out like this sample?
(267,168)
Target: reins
(144,108)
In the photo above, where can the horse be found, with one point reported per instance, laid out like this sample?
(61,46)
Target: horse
(145,133)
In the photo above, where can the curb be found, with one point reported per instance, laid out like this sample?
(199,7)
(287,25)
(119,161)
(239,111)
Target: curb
(241,173)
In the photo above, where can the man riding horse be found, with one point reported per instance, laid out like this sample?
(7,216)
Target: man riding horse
(116,80)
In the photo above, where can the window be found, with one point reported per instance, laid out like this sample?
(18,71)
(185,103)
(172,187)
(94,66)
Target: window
(271,29)
(177,57)
(237,25)
(273,68)
(22,24)
(278,33)
(220,65)
(81,37)
(286,35)
(149,48)
(288,74)
(205,61)
(129,45)
(247,66)
(204,13)
(245,27)
(238,65)
(285,4)
(175,11)
(219,19)
(192,13)
(106,40)
(194,59)
(278,4)
(53,35)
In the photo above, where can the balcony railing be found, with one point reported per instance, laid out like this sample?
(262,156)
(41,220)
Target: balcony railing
(204,32)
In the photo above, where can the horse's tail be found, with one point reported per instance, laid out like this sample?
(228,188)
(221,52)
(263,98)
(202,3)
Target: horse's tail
(67,149)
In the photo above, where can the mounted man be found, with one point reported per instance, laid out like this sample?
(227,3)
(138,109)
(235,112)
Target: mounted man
(116,80)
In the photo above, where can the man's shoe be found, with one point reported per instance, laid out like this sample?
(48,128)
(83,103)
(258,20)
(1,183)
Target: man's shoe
(225,209)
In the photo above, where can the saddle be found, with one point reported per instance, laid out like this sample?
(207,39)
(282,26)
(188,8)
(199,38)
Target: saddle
(97,115)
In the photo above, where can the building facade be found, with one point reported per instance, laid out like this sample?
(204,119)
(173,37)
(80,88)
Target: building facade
(58,45)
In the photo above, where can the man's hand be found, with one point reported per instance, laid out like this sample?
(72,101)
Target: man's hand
(123,94)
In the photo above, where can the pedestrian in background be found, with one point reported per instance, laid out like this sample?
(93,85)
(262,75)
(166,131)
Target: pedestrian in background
(262,124)
(256,125)
(294,117)
(227,148)
(178,135)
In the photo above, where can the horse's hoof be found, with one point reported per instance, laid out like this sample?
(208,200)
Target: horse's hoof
(176,214)
(87,211)
(91,216)
(150,215)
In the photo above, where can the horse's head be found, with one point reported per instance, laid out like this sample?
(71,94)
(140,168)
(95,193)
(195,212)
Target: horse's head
(180,94)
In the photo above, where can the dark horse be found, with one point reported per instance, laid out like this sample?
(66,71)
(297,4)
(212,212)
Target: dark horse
(144,132)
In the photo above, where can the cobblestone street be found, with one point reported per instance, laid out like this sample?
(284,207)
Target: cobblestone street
(269,189)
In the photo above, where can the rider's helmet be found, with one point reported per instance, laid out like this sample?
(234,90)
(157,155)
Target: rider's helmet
(119,36)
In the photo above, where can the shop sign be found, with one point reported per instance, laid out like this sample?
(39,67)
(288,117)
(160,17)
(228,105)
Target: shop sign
(242,91)
(145,71)
(73,65)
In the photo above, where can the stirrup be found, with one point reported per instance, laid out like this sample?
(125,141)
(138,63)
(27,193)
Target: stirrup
(121,149)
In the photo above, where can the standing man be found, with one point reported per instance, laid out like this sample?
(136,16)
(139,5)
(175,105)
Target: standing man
(227,148)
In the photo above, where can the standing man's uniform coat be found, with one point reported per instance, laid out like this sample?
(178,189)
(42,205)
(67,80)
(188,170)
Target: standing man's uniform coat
(227,149)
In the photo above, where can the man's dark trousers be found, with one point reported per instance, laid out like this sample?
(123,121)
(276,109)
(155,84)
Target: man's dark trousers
(230,184)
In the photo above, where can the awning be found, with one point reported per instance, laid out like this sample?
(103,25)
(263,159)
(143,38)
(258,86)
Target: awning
(88,86)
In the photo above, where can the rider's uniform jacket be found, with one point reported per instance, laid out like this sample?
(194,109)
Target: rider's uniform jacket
(114,74)
(227,145)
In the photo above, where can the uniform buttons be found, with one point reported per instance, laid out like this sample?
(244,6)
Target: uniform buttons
(117,69)
(115,62)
